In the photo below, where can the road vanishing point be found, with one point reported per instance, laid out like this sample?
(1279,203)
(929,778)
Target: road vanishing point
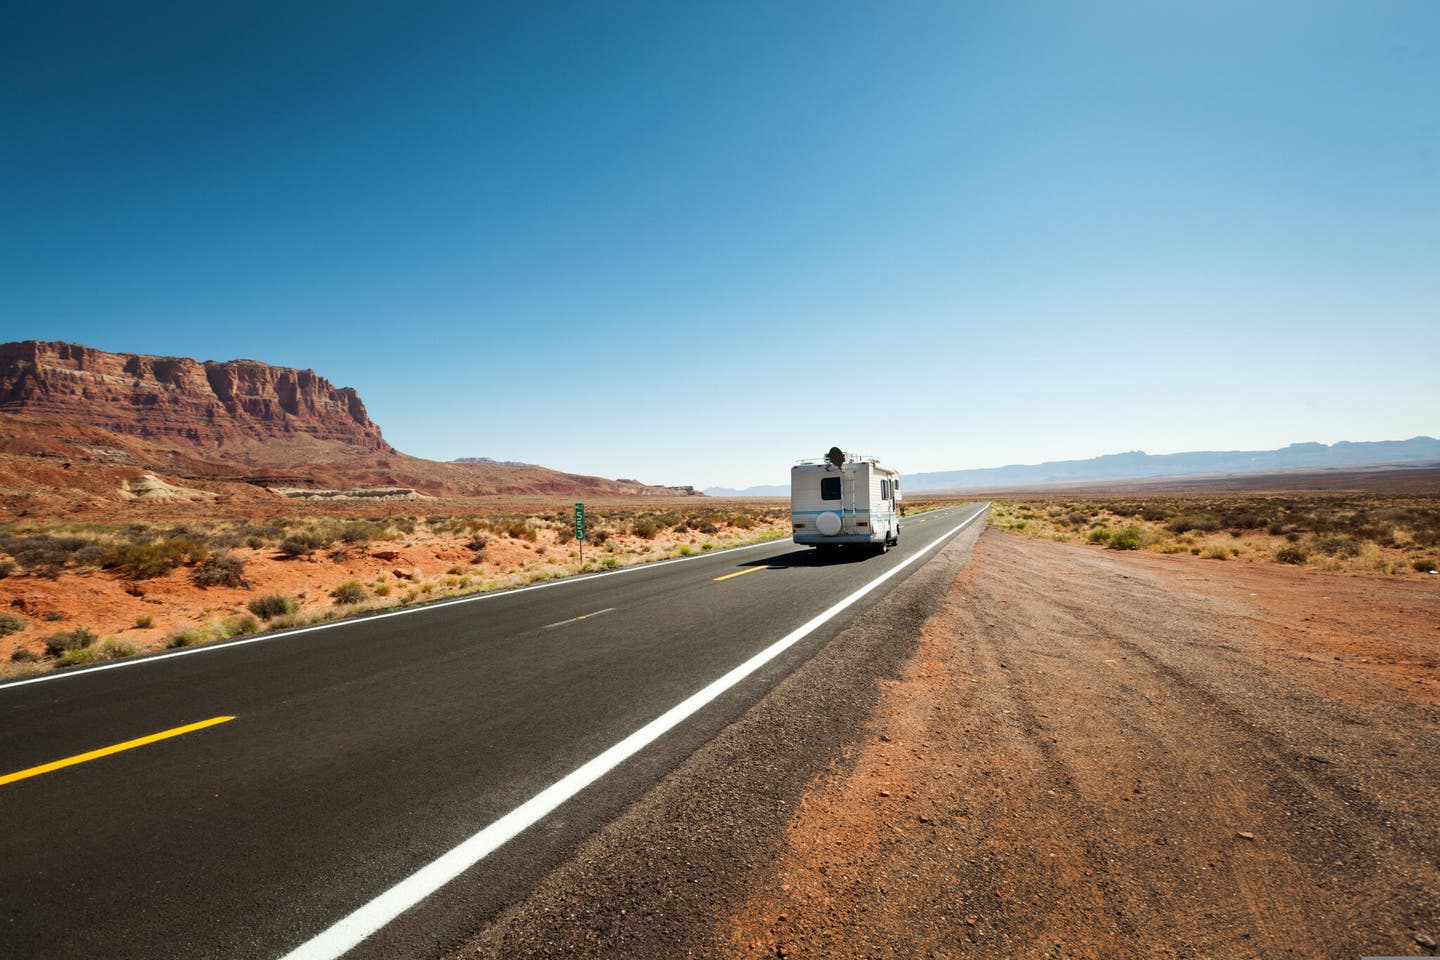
(379,787)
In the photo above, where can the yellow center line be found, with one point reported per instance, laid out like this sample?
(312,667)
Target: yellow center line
(741,573)
(106,751)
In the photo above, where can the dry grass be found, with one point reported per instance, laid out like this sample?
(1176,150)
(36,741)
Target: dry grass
(349,565)
(1369,534)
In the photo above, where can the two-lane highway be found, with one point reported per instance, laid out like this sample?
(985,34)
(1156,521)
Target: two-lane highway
(299,792)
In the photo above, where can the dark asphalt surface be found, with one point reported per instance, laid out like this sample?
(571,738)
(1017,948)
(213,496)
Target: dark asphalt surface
(360,753)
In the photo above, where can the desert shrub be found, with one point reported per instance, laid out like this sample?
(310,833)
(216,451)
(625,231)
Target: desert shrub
(477,544)
(238,626)
(64,641)
(1098,535)
(360,533)
(1215,553)
(90,554)
(272,605)
(251,531)
(565,532)
(382,590)
(7,567)
(143,561)
(1292,555)
(42,555)
(645,528)
(78,656)
(1126,539)
(1425,566)
(219,570)
(610,563)
(9,623)
(23,655)
(597,536)
(144,622)
(1193,521)
(1337,546)
(351,591)
(519,529)
(186,637)
(300,544)
(706,527)
(685,550)
(115,648)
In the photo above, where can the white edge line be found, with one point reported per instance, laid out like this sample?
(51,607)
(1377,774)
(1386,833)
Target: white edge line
(349,931)
(367,618)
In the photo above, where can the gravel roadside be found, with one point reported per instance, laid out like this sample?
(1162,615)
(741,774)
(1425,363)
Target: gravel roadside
(655,881)
(1084,754)
(1096,754)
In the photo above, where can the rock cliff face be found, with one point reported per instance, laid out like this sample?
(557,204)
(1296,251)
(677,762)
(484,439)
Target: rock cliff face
(180,401)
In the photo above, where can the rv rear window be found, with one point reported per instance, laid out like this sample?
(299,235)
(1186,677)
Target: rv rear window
(829,488)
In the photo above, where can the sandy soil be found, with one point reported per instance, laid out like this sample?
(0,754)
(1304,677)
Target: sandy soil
(422,567)
(1099,754)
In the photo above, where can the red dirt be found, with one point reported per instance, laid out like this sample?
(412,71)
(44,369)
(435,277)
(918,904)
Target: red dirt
(1097,754)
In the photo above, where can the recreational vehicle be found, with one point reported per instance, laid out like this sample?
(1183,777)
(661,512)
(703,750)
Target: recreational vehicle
(844,499)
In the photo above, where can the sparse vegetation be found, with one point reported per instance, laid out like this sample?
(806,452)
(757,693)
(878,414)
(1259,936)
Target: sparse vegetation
(186,637)
(301,545)
(65,641)
(530,543)
(219,570)
(1127,539)
(114,648)
(1358,533)
(351,591)
(144,561)
(9,623)
(237,626)
(271,606)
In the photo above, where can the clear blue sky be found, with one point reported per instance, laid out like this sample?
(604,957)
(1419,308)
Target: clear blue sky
(691,242)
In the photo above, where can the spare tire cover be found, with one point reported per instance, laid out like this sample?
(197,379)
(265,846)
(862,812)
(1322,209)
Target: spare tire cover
(828,524)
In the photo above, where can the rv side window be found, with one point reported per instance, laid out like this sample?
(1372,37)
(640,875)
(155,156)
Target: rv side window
(884,489)
(829,488)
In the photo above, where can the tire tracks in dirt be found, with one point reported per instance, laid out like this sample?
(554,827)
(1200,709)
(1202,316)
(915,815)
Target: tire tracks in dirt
(1089,758)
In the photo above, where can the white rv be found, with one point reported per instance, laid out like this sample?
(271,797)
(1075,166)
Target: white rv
(844,499)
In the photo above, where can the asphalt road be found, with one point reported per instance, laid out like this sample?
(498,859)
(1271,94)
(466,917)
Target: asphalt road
(360,754)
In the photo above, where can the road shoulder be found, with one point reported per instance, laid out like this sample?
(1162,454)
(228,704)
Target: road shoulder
(675,862)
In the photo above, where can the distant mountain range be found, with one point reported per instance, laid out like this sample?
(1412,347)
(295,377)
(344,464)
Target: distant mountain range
(1138,465)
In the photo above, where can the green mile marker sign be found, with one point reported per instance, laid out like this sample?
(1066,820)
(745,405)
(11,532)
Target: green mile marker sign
(580,521)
